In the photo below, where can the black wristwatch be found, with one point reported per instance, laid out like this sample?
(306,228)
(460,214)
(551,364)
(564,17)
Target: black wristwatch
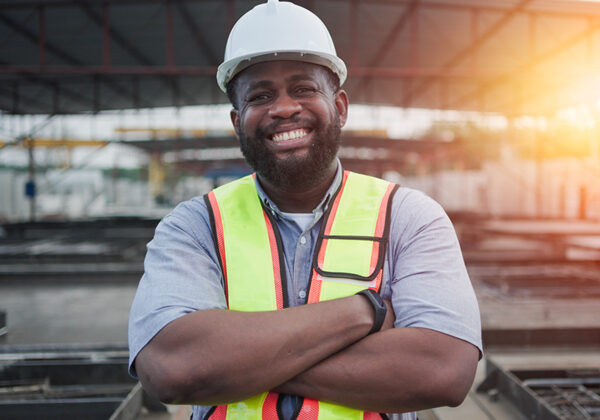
(378,306)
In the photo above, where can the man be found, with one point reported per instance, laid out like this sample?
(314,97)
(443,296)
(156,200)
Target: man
(221,319)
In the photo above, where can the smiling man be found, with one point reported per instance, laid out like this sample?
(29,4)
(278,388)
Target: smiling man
(302,291)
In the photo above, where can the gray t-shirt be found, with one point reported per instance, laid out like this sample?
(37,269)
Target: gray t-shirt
(424,274)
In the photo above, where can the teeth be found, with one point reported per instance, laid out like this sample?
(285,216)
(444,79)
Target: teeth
(289,135)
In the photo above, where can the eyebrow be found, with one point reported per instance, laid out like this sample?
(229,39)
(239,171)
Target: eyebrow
(266,83)
(259,84)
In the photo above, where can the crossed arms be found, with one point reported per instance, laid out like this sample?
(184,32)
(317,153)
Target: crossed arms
(320,351)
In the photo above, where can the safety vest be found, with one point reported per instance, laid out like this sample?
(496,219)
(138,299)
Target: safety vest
(348,257)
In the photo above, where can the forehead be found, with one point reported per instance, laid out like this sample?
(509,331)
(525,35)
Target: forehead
(281,71)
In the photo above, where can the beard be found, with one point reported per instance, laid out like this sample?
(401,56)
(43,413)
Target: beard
(293,171)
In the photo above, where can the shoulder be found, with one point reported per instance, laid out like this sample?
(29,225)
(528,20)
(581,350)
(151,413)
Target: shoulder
(189,213)
(413,210)
(189,217)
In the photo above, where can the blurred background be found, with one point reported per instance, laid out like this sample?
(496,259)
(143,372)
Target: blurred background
(110,115)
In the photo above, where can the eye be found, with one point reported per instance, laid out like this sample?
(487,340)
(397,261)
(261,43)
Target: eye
(304,90)
(258,97)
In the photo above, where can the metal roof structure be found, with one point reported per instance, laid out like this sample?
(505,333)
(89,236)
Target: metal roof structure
(509,56)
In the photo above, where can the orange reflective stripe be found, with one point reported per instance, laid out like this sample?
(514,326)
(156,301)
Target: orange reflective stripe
(237,200)
(220,240)
(219,414)
(309,410)
(269,409)
(379,231)
(278,275)
(314,294)
(276,267)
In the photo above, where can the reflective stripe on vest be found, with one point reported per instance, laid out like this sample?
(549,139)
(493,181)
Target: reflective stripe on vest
(348,257)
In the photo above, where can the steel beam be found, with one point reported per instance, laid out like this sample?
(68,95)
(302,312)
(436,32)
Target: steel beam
(135,92)
(170,52)
(510,387)
(15,97)
(130,48)
(526,68)
(389,39)
(3,325)
(55,98)
(96,94)
(587,10)
(230,15)
(29,75)
(107,28)
(391,72)
(354,38)
(42,35)
(470,49)
(27,34)
(474,36)
(194,30)
(105,35)
(33,38)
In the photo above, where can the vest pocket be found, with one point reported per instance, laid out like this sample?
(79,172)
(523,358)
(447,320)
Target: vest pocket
(349,259)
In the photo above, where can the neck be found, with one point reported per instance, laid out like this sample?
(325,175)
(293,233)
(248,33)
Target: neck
(299,198)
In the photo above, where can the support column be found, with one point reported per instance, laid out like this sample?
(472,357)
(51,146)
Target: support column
(30,187)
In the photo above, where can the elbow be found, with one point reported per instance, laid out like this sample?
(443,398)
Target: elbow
(160,383)
(454,398)
(453,386)
(173,383)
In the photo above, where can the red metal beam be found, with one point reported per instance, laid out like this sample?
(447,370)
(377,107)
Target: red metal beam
(230,15)
(58,52)
(532,26)
(96,94)
(106,36)
(7,92)
(529,65)
(472,47)
(123,42)
(169,35)
(42,35)
(413,55)
(474,37)
(354,38)
(389,39)
(15,98)
(194,30)
(112,70)
(583,10)
(34,38)
(388,72)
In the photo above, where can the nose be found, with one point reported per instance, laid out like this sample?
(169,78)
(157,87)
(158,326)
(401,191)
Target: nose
(284,106)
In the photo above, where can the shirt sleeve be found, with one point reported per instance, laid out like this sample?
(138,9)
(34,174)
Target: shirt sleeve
(181,275)
(430,286)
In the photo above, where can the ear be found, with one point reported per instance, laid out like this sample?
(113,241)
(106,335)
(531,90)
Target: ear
(234,114)
(341,104)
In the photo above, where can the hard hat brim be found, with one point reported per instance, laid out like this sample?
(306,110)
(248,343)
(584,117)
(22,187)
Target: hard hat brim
(229,69)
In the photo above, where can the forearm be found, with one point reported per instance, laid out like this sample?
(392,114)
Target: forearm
(397,370)
(219,356)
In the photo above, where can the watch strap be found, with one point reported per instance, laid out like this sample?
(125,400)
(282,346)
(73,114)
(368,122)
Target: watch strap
(378,306)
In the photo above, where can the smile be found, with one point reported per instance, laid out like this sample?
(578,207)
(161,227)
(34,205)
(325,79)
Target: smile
(290,135)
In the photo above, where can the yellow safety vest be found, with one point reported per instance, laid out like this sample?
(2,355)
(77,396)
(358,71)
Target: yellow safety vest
(348,257)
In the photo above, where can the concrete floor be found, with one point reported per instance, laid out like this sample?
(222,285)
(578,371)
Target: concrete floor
(79,309)
(66,313)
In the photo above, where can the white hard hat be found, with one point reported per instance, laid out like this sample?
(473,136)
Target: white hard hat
(278,31)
